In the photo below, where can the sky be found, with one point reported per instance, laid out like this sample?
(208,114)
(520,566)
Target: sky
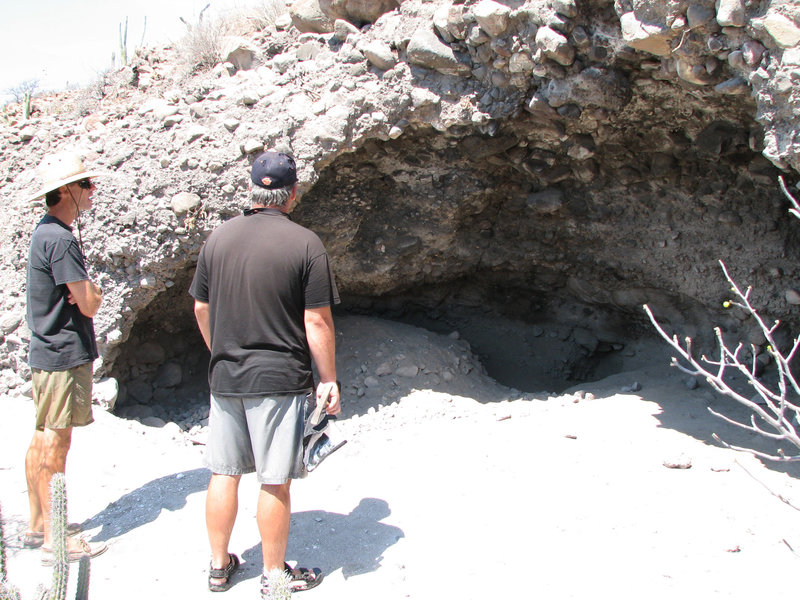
(67,42)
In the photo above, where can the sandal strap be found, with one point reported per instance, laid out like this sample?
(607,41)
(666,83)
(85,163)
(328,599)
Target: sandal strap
(224,572)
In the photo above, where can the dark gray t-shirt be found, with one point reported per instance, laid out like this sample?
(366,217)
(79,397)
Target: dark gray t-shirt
(259,273)
(62,337)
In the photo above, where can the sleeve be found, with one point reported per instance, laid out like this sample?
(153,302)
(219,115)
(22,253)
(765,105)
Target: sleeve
(199,288)
(320,285)
(67,262)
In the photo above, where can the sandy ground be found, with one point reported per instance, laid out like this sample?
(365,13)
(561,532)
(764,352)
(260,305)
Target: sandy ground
(445,495)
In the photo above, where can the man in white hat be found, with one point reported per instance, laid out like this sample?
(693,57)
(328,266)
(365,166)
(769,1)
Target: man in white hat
(61,301)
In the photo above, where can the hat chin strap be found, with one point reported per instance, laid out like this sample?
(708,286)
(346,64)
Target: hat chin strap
(77,218)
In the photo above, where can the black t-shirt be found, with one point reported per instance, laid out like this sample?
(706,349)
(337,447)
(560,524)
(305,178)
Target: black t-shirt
(62,337)
(259,273)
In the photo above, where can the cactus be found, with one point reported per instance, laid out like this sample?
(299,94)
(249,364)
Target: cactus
(58,526)
(276,585)
(3,557)
(123,44)
(82,593)
(58,523)
(26,106)
(7,591)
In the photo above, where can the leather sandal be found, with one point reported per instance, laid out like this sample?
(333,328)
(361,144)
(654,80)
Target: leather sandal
(35,539)
(224,573)
(83,548)
(301,579)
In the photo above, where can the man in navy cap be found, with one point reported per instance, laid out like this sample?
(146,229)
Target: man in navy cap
(263,293)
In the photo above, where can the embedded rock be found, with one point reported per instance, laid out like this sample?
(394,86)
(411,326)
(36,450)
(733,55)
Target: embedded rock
(647,37)
(308,16)
(784,30)
(357,11)
(731,13)
(491,16)
(427,50)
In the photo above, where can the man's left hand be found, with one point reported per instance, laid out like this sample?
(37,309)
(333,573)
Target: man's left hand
(330,389)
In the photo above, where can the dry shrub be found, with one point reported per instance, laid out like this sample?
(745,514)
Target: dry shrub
(265,14)
(252,19)
(201,47)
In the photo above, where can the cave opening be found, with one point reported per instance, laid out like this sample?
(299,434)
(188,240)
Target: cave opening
(535,246)
(162,366)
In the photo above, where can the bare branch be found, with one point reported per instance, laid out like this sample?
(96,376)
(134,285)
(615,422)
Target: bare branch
(796,210)
(781,458)
(773,414)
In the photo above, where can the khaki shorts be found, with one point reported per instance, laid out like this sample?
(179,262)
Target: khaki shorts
(63,399)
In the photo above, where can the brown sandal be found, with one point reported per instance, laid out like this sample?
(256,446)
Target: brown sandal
(224,573)
(35,539)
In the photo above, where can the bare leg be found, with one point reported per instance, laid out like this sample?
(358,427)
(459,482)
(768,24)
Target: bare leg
(33,460)
(274,516)
(52,455)
(222,505)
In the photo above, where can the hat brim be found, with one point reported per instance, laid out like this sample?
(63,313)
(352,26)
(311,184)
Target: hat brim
(54,185)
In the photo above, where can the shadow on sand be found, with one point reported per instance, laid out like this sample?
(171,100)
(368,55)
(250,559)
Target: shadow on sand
(143,505)
(354,542)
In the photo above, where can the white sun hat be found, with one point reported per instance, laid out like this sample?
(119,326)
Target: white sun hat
(60,169)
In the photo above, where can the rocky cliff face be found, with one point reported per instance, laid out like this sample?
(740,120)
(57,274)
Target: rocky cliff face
(558,162)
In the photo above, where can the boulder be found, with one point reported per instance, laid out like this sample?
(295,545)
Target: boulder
(731,13)
(449,22)
(184,202)
(380,54)
(308,17)
(554,45)
(783,30)
(169,375)
(491,16)
(357,11)
(647,37)
(343,29)
(427,50)
(238,52)
(105,393)
(698,15)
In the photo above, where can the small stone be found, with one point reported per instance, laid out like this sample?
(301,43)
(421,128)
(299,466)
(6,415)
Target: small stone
(343,29)
(169,375)
(184,202)
(384,368)
(252,146)
(731,13)
(679,462)
(380,54)
(734,86)
(105,393)
(409,371)
(752,52)
(153,422)
(10,321)
(792,296)
(698,15)
(783,30)
(491,16)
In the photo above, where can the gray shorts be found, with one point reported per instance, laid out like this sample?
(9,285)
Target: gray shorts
(256,434)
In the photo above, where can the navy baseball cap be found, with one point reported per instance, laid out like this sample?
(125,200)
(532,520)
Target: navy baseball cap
(273,170)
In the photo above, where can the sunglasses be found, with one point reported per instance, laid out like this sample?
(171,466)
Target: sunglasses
(85,184)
